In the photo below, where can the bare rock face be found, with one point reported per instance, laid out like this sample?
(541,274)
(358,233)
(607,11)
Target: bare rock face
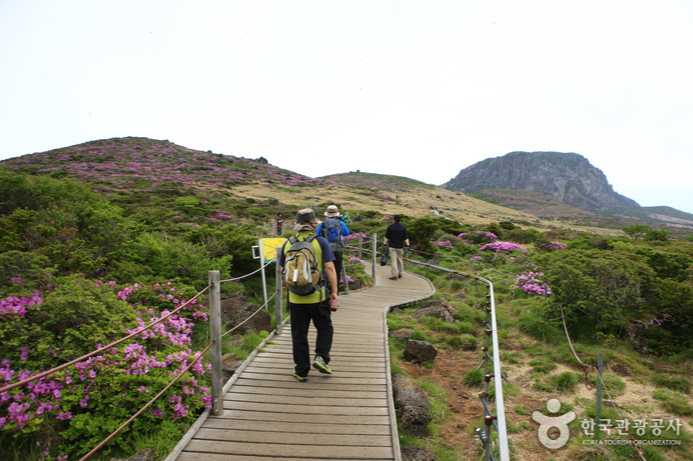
(236,308)
(566,177)
(438,309)
(419,351)
(411,406)
(403,334)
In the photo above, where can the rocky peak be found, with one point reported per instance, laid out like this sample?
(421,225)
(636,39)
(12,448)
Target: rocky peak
(567,177)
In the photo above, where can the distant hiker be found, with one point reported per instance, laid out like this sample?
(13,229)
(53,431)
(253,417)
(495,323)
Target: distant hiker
(396,236)
(346,218)
(357,218)
(280,223)
(313,305)
(334,230)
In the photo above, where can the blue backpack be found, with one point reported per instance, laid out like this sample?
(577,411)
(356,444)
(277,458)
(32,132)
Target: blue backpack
(332,231)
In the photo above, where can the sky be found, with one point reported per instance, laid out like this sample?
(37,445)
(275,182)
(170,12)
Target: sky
(421,89)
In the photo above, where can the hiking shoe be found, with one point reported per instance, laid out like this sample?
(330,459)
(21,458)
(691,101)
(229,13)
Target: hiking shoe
(399,276)
(301,379)
(393,278)
(321,366)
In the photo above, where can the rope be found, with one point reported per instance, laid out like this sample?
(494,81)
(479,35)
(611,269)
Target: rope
(101,349)
(251,315)
(147,405)
(251,273)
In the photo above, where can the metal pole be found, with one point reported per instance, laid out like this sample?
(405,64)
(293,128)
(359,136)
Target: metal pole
(278,297)
(215,337)
(598,405)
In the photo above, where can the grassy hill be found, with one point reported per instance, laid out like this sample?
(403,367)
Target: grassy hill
(184,210)
(140,173)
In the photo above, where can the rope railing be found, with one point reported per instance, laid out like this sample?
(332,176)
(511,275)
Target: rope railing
(215,343)
(99,350)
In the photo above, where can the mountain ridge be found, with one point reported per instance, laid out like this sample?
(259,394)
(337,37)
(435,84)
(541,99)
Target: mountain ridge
(566,177)
(161,167)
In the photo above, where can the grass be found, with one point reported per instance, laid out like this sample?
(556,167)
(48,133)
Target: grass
(675,383)
(673,401)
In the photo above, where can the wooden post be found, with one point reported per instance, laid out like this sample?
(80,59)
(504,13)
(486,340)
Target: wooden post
(215,337)
(374,252)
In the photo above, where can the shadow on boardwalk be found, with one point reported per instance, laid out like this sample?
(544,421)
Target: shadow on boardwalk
(348,415)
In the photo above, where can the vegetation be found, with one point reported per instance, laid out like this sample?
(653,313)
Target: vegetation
(98,239)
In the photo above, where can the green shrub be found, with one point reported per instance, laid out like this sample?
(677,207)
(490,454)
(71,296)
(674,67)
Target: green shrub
(673,401)
(463,342)
(675,383)
(537,327)
(566,381)
(473,378)
(542,365)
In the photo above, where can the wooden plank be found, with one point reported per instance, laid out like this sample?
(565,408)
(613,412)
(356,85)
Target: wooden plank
(305,409)
(234,457)
(379,394)
(299,418)
(292,427)
(300,400)
(305,438)
(279,450)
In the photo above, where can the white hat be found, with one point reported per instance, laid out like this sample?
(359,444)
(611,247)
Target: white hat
(332,211)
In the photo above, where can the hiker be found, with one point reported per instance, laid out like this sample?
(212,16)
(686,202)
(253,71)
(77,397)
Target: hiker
(346,219)
(357,218)
(314,305)
(334,230)
(396,236)
(280,223)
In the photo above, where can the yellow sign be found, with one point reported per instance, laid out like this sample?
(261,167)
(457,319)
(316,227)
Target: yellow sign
(268,247)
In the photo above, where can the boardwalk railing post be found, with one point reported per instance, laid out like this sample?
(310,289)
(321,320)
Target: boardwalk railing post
(360,245)
(278,301)
(215,337)
(374,252)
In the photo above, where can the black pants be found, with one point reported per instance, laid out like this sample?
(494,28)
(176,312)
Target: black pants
(338,264)
(301,315)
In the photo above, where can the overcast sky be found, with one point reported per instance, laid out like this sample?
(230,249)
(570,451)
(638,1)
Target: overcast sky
(421,89)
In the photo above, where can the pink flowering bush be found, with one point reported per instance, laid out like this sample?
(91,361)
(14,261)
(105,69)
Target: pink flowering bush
(502,247)
(89,400)
(356,274)
(530,283)
(551,246)
(446,244)
(478,237)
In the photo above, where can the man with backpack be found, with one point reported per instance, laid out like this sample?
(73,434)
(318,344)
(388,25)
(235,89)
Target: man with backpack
(307,264)
(334,230)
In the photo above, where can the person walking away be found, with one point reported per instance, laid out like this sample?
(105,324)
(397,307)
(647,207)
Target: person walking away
(313,306)
(334,230)
(346,219)
(280,223)
(396,236)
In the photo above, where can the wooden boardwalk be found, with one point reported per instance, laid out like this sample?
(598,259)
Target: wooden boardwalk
(348,415)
